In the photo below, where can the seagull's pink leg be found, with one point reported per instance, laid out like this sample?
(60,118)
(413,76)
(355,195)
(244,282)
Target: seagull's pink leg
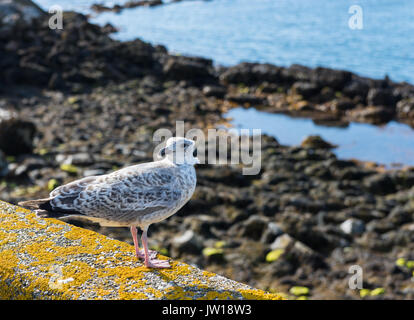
(134,236)
(149,261)
(139,252)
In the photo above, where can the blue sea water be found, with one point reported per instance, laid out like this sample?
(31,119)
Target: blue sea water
(390,145)
(282,32)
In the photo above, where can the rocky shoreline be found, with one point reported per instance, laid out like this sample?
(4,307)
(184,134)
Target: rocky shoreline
(75,102)
(117,8)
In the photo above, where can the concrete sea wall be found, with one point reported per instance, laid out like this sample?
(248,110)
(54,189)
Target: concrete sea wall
(50,259)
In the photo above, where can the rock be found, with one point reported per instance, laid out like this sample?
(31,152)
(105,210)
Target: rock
(4,166)
(296,72)
(357,88)
(78,159)
(302,105)
(325,77)
(214,91)
(353,226)
(34,73)
(253,227)
(380,97)
(270,205)
(405,108)
(251,73)
(248,99)
(56,81)
(282,242)
(62,59)
(301,203)
(186,68)
(296,253)
(286,242)
(326,94)
(272,231)
(372,114)
(93,172)
(26,165)
(18,11)
(252,251)
(188,242)
(310,153)
(380,226)
(109,28)
(267,87)
(134,57)
(16,134)
(280,268)
(342,104)
(127,5)
(148,3)
(101,8)
(350,174)
(153,3)
(203,225)
(379,184)
(305,89)
(399,216)
(316,142)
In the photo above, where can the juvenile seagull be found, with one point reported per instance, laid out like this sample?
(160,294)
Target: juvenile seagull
(135,196)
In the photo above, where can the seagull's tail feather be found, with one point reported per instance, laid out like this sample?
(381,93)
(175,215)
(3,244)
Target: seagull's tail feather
(36,204)
(43,209)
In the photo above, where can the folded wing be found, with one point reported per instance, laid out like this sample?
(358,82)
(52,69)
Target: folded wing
(120,196)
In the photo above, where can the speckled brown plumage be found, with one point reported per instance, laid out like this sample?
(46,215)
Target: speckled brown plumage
(138,195)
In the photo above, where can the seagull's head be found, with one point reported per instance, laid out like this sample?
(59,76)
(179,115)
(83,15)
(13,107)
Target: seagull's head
(180,150)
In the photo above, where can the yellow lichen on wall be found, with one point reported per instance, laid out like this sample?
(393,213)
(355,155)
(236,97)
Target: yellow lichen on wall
(49,259)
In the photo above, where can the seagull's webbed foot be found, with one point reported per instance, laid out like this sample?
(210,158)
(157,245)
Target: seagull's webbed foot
(151,254)
(150,261)
(159,264)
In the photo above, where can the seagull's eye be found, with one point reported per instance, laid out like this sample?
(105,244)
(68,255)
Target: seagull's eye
(162,152)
